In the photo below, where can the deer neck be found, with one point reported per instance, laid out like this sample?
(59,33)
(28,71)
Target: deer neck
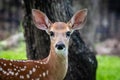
(58,63)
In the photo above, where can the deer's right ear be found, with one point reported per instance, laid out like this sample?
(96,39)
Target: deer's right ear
(40,20)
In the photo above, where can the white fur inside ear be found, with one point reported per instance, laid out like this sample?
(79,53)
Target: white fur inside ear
(44,27)
(46,20)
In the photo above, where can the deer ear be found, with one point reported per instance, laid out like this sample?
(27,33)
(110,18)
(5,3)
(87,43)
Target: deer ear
(78,19)
(40,20)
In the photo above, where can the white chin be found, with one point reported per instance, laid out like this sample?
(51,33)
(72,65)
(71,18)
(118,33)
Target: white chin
(63,51)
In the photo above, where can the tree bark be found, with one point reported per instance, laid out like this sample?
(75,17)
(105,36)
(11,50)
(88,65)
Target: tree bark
(82,62)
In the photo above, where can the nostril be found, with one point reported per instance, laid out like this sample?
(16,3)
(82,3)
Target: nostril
(60,46)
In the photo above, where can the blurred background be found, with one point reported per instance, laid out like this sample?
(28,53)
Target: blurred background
(101,33)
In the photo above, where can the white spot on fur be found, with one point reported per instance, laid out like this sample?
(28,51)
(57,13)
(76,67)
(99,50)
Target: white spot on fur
(44,74)
(37,79)
(28,76)
(4,64)
(10,72)
(7,74)
(33,69)
(18,70)
(14,69)
(40,75)
(21,77)
(19,67)
(1,69)
(10,64)
(22,69)
(25,67)
(41,63)
(36,66)
(16,73)
(47,72)
(16,66)
(1,62)
(30,72)
(44,62)
(4,72)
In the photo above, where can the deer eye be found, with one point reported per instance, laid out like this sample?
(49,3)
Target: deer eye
(68,34)
(52,34)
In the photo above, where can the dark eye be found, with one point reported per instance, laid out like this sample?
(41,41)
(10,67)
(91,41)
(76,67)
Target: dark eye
(51,33)
(68,34)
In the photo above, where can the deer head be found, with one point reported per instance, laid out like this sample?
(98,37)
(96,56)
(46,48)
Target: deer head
(59,32)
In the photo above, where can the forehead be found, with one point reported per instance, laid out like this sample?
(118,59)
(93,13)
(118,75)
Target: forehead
(59,27)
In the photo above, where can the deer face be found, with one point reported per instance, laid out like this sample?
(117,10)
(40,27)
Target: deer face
(59,32)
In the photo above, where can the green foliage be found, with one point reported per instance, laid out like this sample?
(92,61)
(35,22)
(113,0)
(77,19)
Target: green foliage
(108,68)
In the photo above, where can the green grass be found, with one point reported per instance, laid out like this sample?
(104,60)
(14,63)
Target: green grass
(108,66)
(15,53)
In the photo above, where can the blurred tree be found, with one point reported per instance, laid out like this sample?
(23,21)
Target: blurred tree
(82,62)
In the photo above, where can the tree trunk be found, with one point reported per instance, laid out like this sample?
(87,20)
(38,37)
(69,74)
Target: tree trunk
(82,62)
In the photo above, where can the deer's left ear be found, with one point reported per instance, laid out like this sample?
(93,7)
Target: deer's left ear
(78,19)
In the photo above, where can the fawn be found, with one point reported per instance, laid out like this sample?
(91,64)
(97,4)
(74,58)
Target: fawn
(53,67)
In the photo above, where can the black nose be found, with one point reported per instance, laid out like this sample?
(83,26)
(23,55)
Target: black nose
(60,46)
